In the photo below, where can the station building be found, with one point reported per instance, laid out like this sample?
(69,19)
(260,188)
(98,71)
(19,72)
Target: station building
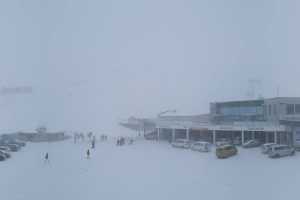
(275,120)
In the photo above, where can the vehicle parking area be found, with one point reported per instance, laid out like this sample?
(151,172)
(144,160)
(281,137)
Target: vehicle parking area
(145,170)
(8,147)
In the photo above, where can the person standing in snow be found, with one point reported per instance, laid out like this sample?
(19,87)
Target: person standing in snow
(93,143)
(47,158)
(88,154)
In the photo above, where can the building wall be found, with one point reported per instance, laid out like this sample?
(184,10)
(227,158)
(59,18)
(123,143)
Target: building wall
(282,108)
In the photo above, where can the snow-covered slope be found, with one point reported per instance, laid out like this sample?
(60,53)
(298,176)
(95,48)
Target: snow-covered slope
(145,170)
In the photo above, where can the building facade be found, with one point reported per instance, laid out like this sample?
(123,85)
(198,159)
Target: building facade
(268,120)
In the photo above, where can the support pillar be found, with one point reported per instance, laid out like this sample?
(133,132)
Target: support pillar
(243,137)
(214,136)
(173,135)
(158,134)
(188,134)
(275,137)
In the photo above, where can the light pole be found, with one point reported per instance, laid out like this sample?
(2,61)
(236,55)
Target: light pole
(164,112)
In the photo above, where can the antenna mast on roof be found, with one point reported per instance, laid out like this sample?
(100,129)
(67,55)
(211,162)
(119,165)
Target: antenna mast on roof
(253,86)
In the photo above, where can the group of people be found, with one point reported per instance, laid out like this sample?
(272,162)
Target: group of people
(92,141)
(121,141)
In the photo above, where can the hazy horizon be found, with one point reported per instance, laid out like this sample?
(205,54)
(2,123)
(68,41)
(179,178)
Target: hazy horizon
(92,63)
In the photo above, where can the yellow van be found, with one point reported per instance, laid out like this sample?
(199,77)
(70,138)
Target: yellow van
(226,151)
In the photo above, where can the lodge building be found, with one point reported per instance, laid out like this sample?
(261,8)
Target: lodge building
(268,120)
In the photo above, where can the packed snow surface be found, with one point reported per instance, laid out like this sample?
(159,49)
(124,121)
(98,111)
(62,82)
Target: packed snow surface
(144,170)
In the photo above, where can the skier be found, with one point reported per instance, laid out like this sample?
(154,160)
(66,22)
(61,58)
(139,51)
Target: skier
(47,158)
(93,143)
(130,141)
(88,154)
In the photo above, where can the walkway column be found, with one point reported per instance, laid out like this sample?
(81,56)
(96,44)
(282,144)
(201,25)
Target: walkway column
(158,134)
(275,137)
(188,134)
(173,135)
(243,137)
(214,136)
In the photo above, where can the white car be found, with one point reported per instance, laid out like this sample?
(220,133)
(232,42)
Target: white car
(265,148)
(181,143)
(251,144)
(201,146)
(277,151)
(222,142)
(3,148)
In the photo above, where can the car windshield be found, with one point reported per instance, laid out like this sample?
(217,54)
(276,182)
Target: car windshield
(149,99)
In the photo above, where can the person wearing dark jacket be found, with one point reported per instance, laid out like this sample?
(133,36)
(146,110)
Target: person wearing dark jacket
(47,158)
(88,154)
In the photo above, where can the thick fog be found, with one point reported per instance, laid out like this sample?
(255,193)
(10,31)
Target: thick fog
(92,63)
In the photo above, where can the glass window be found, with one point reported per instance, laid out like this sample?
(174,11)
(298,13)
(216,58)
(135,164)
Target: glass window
(290,109)
(274,109)
(297,108)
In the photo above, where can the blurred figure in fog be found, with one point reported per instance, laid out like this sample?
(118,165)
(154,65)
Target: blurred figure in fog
(88,154)
(93,142)
(130,141)
(47,158)
(82,137)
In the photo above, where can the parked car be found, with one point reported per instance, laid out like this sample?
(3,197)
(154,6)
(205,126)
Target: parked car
(6,154)
(21,144)
(277,151)
(2,157)
(251,144)
(11,141)
(13,147)
(222,142)
(150,136)
(265,148)
(237,141)
(181,143)
(4,148)
(226,151)
(201,146)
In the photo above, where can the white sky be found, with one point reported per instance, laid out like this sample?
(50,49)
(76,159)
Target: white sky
(92,62)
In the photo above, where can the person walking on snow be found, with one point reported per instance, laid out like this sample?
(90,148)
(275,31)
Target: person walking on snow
(88,154)
(93,143)
(47,158)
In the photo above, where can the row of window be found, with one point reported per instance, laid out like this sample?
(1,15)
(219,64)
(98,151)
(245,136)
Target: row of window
(270,109)
(241,110)
(291,109)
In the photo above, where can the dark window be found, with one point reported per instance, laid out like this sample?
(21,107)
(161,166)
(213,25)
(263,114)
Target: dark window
(265,110)
(290,109)
(274,109)
(297,108)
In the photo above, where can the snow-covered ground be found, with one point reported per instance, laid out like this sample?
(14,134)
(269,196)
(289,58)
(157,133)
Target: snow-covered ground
(145,170)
